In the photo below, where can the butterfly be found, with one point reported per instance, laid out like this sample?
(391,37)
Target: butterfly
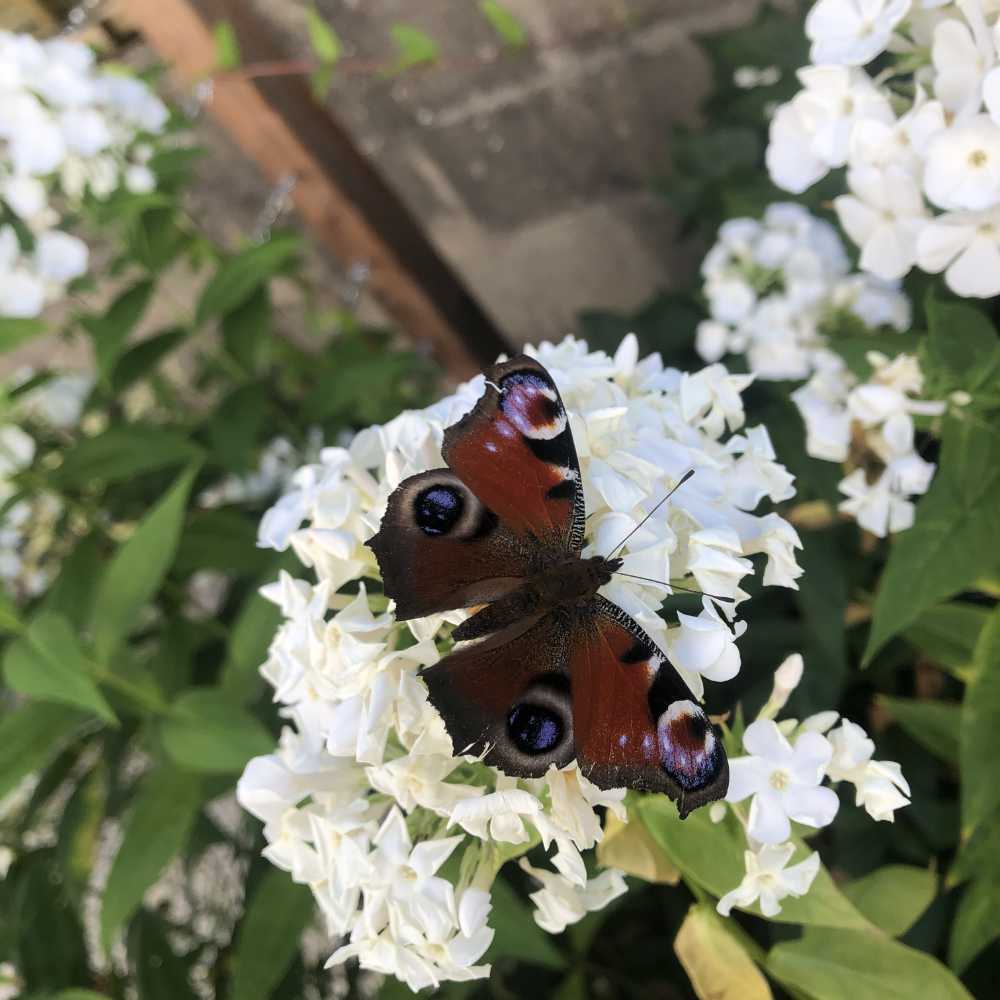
(547,669)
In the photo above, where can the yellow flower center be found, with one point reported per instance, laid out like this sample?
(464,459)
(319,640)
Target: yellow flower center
(978,158)
(780,779)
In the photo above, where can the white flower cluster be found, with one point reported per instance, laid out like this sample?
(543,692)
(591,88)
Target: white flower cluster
(920,141)
(777,285)
(782,776)
(28,520)
(66,127)
(778,291)
(363,801)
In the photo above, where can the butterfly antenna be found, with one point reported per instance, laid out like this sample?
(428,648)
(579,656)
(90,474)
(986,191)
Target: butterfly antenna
(675,586)
(687,475)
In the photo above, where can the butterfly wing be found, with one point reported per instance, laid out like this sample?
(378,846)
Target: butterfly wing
(511,503)
(439,548)
(515,451)
(507,697)
(636,724)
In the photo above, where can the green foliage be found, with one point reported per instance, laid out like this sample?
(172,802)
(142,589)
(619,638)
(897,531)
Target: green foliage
(276,915)
(413,47)
(227,48)
(893,898)
(504,23)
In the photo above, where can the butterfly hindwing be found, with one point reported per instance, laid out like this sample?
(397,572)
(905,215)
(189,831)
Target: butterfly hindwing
(515,451)
(636,724)
(507,697)
(439,548)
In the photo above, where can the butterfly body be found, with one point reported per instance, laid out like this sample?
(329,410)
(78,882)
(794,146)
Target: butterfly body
(547,669)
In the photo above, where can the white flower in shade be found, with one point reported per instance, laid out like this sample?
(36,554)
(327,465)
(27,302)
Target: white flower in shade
(876,143)
(710,399)
(812,133)
(786,679)
(60,257)
(875,505)
(500,815)
(783,780)
(560,902)
(852,32)
(25,196)
(963,165)
(966,246)
(712,340)
(961,60)
(822,402)
(874,301)
(705,644)
(768,879)
(139,179)
(883,215)
(880,785)
(85,130)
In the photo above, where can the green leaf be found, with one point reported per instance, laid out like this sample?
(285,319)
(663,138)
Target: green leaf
(30,736)
(122,452)
(948,633)
(516,933)
(246,331)
(413,45)
(323,39)
(268,938)
(894,897)
(224,539)
(961,341)
(976,923)
(239,277)
(10,621)
(14,332)
(980,734)
(235,425)
(110,331)
(47,663)
(249,639)
(504,23)
(143,359)
(162,815)
(227,48)
(135,573)
(711,854)
(834,964)
(952,541)
(933,724)
(160,972)
(207,732)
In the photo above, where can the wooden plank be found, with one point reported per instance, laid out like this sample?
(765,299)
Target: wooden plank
(26,15)
(338,194)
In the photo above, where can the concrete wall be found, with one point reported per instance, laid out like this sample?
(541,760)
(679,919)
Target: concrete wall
(531,169)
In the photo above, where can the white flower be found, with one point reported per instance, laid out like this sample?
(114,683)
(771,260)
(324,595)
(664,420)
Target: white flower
(60,257)
(769,880)
(963,165)
(966,246)
(784,781)
(500,815)
(880,785)
(876,143)
(786,679)
(960,62)
(884,216)
(875,505)
(852,32)
(24,195)
(704,644)
(813,132)
(560,902)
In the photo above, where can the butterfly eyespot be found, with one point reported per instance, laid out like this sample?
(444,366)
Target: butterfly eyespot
(534,729)
(438,509)
(688,746)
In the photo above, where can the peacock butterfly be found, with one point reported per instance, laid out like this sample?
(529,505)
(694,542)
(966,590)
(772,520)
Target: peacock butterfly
(547,669)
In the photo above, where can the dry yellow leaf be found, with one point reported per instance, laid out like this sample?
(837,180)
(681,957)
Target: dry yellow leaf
(716,964)
(630,847)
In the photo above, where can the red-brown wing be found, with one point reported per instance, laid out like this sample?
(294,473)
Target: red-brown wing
(635,722)
(515,451)
(439,548)
(507,697)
